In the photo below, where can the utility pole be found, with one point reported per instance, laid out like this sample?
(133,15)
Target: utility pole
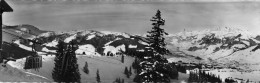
(4,7)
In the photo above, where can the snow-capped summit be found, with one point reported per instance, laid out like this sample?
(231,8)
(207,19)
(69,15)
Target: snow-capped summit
(116,33)
(96,42)
(46,34)
(219,32)
(218,44)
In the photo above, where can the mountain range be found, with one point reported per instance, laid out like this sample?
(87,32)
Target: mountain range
(229,47)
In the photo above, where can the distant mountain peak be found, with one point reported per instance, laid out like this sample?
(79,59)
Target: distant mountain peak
(219,32)
(25,28)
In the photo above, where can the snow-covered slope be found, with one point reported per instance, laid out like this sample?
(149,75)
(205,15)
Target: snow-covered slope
(13,74)
(223,45)
(92,42)
(110,68)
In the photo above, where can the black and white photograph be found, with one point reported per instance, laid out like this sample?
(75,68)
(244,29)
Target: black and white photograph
(130,41)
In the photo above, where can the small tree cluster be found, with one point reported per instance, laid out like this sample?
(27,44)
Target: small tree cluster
(202,76)
(172,71)
(181,68)
(229,80)
(128,72)
(135,64)
(118,80)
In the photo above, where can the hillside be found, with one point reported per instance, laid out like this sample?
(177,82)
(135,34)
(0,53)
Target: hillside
(91,42)
(230,47)
(24,28)
(221,47)
(110,68)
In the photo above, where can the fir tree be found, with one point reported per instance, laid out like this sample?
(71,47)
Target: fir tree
(71,70)
(123,81)
(66,67)
(157,33)
(172,71)
(126,72)
(123,59)
(98,77)
(56,73)
(130,70)
(135,63)
(247,81)
(85,69)
(117,80)
(150,72)
(152,66)
(202,76)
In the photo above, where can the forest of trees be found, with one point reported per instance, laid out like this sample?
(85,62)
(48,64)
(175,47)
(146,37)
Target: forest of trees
(203,77)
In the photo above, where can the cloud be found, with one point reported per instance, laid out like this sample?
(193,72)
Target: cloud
(134,18)
(138,0)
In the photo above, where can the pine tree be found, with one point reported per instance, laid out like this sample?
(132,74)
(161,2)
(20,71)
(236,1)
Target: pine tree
(247,81)
(123,59)
(56,73)
(98,77)
(152,66)
(123,81)
(85,69)
(157,33)
(71,70)
(173,73)
(66,67)
(135,64)
(130,70)
(126,72)
(150,71)
(118,80)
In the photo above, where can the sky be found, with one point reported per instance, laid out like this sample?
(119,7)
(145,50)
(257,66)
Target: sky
(133,16)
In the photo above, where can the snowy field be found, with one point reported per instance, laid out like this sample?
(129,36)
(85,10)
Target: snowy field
(110,68)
